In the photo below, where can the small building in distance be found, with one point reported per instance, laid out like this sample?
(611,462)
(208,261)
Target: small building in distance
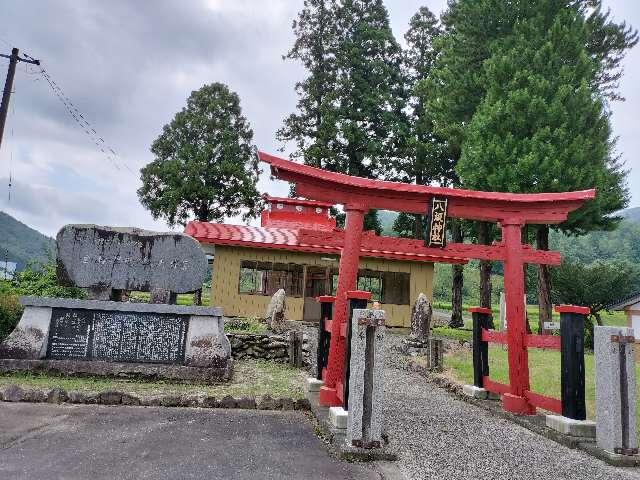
(631,306)
(297,247)
(7,270)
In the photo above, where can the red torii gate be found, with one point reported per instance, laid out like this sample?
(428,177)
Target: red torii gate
(510,210)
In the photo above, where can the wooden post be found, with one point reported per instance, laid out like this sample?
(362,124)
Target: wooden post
(481,320)
(324,337)
(572,360)
(515,401)
(347,280)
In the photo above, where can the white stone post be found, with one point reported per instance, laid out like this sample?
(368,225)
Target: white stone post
(364,423)
(615,390)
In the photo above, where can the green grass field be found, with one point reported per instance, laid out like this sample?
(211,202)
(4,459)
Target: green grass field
(250,378)
(544,372)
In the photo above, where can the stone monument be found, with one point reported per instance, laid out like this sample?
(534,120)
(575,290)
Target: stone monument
(276,309)
(616,400)
(366,378)
(101,336)
(421,313)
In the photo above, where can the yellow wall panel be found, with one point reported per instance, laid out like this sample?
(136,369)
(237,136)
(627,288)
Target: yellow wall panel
(226,274)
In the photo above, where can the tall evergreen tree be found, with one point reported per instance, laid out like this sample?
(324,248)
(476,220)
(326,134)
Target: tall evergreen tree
(349,117)
(204,164)
(424,153)
(541,126)
(456,85)
(312,126)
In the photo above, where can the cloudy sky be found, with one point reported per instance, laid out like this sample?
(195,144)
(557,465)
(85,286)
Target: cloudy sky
(128,66)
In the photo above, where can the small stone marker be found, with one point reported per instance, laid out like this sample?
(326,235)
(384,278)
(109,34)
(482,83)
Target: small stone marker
(108,259)
(276,309)
(616,401)
(421,313)
(364,424)
(503,311)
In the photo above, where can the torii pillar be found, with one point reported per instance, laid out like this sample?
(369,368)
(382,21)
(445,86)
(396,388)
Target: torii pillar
(331,391)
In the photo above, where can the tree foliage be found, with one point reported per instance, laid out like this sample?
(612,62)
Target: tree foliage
(204,164)
(595,286)
(541,127)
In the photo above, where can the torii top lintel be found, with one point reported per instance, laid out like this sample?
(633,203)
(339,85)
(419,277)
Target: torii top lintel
(364,193)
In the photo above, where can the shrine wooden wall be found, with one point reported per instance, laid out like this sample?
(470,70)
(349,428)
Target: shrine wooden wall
(226,272)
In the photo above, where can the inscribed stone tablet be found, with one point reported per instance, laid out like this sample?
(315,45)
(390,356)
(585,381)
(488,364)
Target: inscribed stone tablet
(90,256)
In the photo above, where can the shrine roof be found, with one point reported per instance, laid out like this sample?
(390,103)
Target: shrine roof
(335,187)
(315,241)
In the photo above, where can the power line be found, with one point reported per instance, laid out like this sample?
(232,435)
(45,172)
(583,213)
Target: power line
(108,151)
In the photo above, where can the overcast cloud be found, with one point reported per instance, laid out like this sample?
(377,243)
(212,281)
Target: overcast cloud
(130,65)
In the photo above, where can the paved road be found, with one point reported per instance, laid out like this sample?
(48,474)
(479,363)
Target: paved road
(441,437)
(100,442)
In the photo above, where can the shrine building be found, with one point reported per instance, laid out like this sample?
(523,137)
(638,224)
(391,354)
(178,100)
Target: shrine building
(297,247)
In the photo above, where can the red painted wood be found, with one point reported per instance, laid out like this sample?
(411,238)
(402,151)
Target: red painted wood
(347,280)
(542,401)
(573,309)
(359,295)
(296,201)
(493,336)
(543,341)
(327,326)
(514,292)
(480,310)
(331,242)
(494,387)
(325,299)
(517,405)
(489,206)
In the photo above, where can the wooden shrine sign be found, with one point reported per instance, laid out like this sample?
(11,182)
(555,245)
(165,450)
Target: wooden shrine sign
(436,224)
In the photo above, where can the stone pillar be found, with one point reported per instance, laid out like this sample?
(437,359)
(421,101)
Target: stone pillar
(615,390)
(364,423)
(421,314)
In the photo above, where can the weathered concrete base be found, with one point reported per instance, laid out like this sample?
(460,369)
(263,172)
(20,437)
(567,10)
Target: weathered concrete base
(337,438)
(475,392)
(571,427)
(146,371)
(338,417)
(313,384)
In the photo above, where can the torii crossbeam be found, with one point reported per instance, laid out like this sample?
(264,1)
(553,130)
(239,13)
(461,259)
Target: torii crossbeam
(510,210)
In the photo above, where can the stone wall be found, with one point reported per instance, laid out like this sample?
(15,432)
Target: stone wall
(266,346)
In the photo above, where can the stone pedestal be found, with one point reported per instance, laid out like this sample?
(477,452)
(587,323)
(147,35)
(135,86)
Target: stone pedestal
(338,417)
(616,400)
(364,424)
(571,427)
(112,338)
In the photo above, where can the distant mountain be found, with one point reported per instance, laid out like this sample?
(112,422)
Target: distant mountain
(21,244)
(631,214)
(386,219)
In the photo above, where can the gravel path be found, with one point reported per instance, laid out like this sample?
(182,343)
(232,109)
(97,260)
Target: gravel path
(440,437)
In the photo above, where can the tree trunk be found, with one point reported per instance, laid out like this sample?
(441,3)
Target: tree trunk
(483,229)
(457,281)
(598,318)
(544,279)
(418,231)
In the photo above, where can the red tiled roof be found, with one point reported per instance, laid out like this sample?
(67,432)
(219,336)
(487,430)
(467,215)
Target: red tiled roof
(315,241)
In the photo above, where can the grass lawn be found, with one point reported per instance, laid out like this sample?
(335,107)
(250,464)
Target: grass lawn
(544,371)
(250,378)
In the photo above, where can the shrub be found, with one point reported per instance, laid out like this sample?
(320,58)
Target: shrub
(10,310)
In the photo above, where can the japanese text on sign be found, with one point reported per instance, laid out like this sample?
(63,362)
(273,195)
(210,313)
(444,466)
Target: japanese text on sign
(437,222)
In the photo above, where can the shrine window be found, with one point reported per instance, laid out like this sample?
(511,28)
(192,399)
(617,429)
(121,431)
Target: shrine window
(266,278)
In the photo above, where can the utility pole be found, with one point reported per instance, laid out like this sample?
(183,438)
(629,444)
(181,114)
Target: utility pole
(8,85)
